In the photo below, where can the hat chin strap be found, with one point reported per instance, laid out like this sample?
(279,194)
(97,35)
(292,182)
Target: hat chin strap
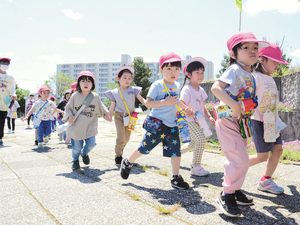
(242,64)
(264,69)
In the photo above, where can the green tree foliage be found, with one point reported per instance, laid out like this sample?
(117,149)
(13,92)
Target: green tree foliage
(61,82)
(110,86)
(141,79)
(21,93)
(224,64)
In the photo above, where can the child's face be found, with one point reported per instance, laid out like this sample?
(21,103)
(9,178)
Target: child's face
(248,55)
(170,74)
(197,76)
(45,95)
(270,65)
(125,79)
(31,97)
(86,85)
(68,96)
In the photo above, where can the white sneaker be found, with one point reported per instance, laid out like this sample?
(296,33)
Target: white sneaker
(270,186)
(13,131)
(9,130)
(199,171)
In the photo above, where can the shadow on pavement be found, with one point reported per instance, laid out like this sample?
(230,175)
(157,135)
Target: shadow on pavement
(188,199)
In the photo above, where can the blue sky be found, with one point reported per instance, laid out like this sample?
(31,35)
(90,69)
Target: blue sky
(37,35)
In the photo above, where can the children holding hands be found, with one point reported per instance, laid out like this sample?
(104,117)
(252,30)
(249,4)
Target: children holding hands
(161,124)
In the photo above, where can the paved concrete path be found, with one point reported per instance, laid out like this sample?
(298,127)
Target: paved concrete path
(37,186)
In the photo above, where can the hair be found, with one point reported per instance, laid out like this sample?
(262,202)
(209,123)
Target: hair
(257,67)
(123,71)
(52,98)
(172,64)
(234,50)
(5,61)
(31,95)
(191,68)
(84,78)
(65,95)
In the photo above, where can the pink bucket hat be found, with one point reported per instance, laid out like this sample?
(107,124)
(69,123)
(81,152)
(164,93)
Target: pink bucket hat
(73,86)
(273,52)
(43,88)
(244,36)
(169,57)
(195,59)
(86,73)
(68,91)
(125,68)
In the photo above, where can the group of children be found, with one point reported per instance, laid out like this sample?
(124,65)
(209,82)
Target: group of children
(248,77)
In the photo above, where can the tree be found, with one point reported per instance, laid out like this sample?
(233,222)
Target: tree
(61,82)
(141,79)
(224,64)
(21,93)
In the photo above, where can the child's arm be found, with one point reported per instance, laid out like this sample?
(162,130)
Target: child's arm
(111,111)
(28,114)
(151,103)
(57,110)
(188,110)
(218,89)
(209,117)
(141,99)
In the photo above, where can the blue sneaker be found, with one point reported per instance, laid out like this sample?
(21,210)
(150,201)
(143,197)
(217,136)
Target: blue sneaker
(269,186)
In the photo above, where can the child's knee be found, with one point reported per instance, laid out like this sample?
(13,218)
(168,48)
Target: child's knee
(262,157)
(278,150)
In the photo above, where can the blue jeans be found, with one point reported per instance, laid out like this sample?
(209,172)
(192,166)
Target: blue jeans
(60,122)
(78,148)
(44,130)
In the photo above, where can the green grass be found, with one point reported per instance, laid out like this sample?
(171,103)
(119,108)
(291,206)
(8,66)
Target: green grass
(163,172)
(134,196)
(165,211)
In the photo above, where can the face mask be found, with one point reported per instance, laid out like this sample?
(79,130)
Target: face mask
(4,67)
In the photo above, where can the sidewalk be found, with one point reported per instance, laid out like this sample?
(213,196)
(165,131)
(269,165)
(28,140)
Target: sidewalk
(37,186)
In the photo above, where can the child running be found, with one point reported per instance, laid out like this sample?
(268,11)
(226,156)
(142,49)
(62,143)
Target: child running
(193,95)
(43,108)
(267,93)
(163,115)
(12,114)
(235,84)
(120,107)
(29,104)
(84,120)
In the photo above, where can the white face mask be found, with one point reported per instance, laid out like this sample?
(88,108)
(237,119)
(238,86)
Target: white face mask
(4,67)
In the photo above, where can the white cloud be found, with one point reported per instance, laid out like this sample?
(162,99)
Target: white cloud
(296,53)
(74,16)
(282,6)
(77,40)
(51,59)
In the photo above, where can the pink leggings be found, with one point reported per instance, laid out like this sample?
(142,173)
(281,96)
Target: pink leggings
(235,150)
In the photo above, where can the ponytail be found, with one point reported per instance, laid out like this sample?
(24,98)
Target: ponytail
(184,81)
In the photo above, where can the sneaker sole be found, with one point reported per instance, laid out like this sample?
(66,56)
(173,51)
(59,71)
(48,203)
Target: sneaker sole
(270,191)
(244,203)
(180,188)
(224,211)
(197,175)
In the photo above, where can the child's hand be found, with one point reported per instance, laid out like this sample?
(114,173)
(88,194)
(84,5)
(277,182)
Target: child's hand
(212,120)
(71,119)
(189,112)
(25,118)
(237,110)
(108,117)
(171,100)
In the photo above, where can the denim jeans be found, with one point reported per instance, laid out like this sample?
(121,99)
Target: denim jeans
(60,122)
(44,130)
(78,148)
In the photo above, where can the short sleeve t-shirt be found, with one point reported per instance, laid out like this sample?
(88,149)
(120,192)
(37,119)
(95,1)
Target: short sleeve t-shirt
(128,95)
(241,84)
(45,113)
(267,95)
(194,99)
(165,113)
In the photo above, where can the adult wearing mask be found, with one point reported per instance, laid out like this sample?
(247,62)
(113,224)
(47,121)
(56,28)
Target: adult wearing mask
(7,89)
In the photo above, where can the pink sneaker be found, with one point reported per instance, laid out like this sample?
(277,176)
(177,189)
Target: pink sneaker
(199,171)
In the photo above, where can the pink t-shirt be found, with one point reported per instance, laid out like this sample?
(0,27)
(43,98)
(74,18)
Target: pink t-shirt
(194,99)
(266,91)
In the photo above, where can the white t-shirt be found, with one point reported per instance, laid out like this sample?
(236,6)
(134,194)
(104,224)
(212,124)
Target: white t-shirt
(194,99)
(45,113)
(267,94)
